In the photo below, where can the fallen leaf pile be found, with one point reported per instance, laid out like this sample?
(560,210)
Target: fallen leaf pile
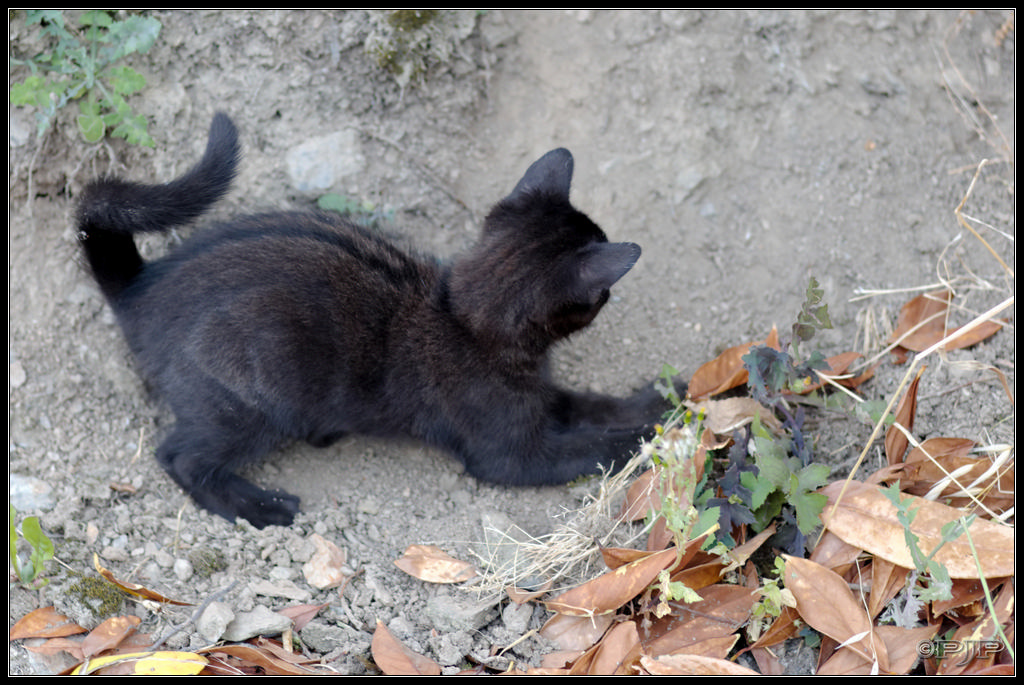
(856,589)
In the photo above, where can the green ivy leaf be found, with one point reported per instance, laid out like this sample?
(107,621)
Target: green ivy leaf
(808,505)
(813,476)
(759,488)
(772,459)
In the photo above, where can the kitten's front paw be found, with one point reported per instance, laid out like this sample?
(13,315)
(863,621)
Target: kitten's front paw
(270,508)
(238,498)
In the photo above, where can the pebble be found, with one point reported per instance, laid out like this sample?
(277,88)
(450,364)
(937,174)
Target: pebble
(16,375)
(29,494)
(259,621)
(318,164)
(449,613)
(214,621)
(183,569)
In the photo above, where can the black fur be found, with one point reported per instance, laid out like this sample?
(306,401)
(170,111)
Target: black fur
(304,326)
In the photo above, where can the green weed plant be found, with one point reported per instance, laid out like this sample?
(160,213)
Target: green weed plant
(83,63)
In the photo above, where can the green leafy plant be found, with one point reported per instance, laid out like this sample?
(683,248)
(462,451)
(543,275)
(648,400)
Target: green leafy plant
(83,63)
(786,478)
(41,550)
(768,477)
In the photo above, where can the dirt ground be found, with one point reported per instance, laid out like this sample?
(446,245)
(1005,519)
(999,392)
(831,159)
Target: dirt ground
(744,151)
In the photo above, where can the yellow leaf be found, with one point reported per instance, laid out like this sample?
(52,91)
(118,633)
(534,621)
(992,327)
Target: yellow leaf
(148,663)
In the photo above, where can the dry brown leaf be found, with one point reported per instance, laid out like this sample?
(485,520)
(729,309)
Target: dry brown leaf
(723,609)
(44,622)
(896,441)
(394,658)
(434,565)
(611,590)
(553,663)
(643,496)
(929,312)
(616,651)
(250,657)
(726,371)
(576,633)
(933,448)
(614,557)
(838,366)
(55,645)
(985,329)
(716,647)
(781,629)
(133,589)
(109,634)
(723,417)
(887,580)
(660,537)
(834,553)
(901,644)
(956,471)
(739,554)
(865,518)
(926,312)
(983,628)
(519,596)
(692,664)
(276,649)
(965,592)
(301,614)
(701,574)
(767,663)
(825,602)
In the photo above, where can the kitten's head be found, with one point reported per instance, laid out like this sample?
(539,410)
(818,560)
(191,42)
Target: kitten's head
(542,269)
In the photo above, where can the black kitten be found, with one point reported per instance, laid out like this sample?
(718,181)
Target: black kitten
(302,325)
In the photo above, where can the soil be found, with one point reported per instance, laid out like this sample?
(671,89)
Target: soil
(744,151)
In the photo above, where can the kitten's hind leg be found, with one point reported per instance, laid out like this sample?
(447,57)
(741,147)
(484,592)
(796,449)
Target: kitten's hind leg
(202,462)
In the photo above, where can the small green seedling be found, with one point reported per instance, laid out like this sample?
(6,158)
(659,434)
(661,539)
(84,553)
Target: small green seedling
(362,212)
(30,574)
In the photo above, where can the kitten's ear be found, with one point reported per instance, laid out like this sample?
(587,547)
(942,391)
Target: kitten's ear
(602,264)
(551,174)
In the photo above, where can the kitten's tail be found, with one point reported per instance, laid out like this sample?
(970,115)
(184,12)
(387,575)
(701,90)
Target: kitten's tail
(111,210)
